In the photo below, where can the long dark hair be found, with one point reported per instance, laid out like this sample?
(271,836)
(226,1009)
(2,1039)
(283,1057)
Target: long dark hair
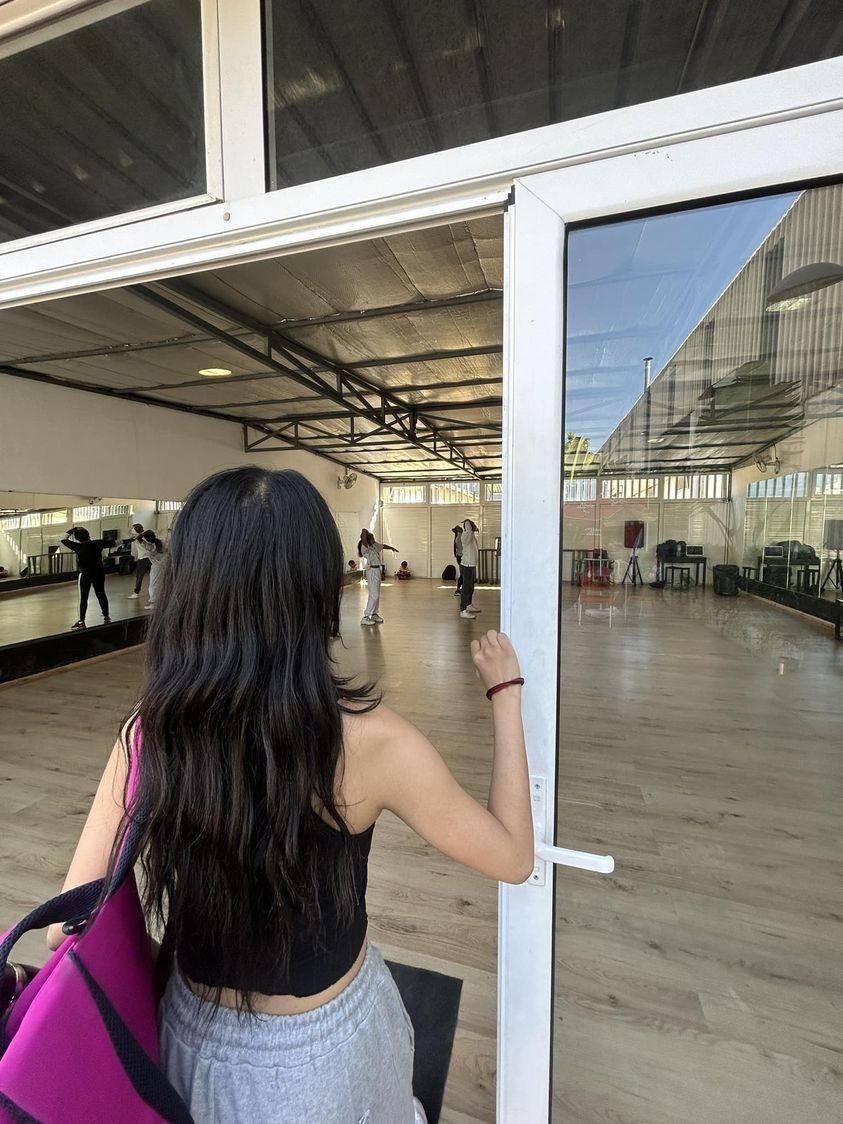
(241,721)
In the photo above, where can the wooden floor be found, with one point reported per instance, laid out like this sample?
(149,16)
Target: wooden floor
(26,614)
(703,981)
(701,746)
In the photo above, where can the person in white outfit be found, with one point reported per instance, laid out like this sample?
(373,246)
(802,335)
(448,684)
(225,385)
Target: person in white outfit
(372,552)
(142,563)
(468,569)
(151,547)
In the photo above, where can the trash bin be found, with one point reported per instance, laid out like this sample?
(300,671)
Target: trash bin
(726,580)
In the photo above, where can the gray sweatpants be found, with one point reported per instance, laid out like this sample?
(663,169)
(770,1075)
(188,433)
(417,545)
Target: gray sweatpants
(373,581)
(347,1062)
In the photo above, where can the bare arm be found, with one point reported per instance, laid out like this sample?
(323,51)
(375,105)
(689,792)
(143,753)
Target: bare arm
(90,860)
(416,784)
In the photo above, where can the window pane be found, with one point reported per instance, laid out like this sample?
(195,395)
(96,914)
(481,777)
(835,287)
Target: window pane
(103,119)
(358,83)
(462,491)
(403,493)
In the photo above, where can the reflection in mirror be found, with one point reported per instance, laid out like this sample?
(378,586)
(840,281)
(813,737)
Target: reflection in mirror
(702,534)
(41,562)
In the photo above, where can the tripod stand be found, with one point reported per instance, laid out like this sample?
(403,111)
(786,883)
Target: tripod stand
(833,574)
(633,570)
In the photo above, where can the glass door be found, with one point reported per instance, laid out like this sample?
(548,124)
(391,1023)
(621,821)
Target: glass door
(674,430)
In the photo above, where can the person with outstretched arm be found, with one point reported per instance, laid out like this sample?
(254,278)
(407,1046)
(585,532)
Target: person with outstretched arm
(88,553)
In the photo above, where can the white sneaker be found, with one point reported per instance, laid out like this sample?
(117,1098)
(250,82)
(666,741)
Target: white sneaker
(367,620)
(377,618)
(151,605)
(471,609)
(421,1115)
(133,596)
(466,615)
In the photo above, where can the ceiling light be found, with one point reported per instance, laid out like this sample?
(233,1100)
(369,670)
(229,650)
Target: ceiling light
(799,286)
(215,372)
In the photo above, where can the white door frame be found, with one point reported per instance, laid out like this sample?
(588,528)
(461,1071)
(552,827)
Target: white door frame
(773,154)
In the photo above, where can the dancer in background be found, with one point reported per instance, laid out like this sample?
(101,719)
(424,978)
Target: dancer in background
(372,551)
(468,569)
(151,547)
(457,533)
(88,553)
(142,563)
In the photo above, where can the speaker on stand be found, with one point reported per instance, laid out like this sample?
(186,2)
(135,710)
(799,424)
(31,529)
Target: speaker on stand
(633,538)
(833,540)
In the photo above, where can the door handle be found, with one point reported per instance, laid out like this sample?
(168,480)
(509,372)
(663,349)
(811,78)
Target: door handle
(582,860)
(561,856)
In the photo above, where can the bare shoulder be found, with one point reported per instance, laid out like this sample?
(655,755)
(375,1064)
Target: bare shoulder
(367,739)
(367,734)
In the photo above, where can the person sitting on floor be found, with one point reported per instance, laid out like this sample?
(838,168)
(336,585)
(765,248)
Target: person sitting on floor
(403,572)
(352,565)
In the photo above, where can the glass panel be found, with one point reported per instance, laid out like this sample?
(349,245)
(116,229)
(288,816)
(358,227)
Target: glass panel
(103,119)
(700,683)
(461,491)
(358,83)
(403,493)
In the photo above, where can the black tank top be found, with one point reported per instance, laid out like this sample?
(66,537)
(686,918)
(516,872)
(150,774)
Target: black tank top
(317,958)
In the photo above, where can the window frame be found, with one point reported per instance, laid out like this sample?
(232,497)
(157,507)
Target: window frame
(232,102)
(456,184)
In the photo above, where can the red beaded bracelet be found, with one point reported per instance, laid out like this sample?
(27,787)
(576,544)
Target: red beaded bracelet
(519,682)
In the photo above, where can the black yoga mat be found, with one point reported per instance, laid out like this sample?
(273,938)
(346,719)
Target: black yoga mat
(433,1003)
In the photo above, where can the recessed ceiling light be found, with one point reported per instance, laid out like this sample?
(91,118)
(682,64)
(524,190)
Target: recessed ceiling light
(215,372)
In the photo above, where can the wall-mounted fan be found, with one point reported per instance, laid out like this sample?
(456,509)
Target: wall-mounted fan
(347,480)
(768,461)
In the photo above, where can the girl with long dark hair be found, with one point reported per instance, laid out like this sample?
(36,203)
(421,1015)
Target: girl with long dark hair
(261,773)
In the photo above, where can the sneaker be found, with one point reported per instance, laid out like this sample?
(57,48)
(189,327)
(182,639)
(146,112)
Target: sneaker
(466,615)
(150,605)
(421,1115)
(106,620)
(472,609)
(134,596)
(78,626)
(456,593)
(377,618)
(367,620)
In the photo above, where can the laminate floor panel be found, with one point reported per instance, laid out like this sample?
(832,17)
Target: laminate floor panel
(26,614)
(701,982)
(701,741)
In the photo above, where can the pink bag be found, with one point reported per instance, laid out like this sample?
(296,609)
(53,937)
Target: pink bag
(79,1041)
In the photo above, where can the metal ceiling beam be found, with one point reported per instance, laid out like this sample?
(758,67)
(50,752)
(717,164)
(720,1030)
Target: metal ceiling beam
(409,308)
(405,388)
(348,389)
(427,357)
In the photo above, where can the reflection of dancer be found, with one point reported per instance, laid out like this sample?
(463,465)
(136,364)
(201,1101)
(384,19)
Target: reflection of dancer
(88,553)
(371,550)
(142,563)
(457,533)
(468,568)
(152,548)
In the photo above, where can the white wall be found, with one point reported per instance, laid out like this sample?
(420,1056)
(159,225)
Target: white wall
(54,440)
